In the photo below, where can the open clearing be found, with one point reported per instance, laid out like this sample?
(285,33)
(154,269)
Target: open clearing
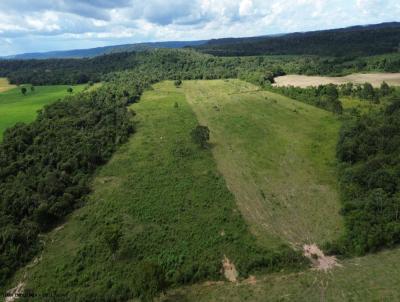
(371,278)
(375,79)
(16,107)
(277,156)
(172,207)
(5,85)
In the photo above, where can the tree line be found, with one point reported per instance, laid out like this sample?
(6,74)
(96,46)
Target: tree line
(45,166)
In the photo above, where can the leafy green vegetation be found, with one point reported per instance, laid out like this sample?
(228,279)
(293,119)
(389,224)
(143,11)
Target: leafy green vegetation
(373,277)
(277,156)
(323,96)
(176,216)
(16,107)
(45,166)
(368,149)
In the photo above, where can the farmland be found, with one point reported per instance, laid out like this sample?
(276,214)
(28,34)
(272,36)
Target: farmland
(16,107)
(5,85)
(277,156)
(187,222)
(304,81)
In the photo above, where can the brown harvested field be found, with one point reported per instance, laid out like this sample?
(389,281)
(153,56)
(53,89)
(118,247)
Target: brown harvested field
(375,79)
(5,85)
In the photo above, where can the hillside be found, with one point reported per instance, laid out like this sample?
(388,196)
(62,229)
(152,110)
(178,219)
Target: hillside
(99,51)
(352,41)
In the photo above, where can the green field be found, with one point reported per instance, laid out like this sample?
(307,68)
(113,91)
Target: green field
(171,204)
(277,156)
(371,278)
(16,107)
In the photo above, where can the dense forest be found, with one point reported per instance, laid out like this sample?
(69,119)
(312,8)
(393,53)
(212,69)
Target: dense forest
(353,41)
(45,166)
(188,64)
(368,150)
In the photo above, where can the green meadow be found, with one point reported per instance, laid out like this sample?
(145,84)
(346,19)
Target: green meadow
(277,156)
(16,107)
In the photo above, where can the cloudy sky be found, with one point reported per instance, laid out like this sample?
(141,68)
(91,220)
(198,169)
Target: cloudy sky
(42,25)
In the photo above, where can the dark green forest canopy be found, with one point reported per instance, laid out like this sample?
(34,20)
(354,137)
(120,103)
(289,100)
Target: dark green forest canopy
(353,41)
(187,64)
(45,167)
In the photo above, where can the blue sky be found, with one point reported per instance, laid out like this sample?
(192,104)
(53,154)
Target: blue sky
(43,25)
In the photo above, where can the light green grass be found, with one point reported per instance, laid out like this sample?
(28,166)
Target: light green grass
(277,156)
(5,85)
(16,107)
(370,278)
(172,206)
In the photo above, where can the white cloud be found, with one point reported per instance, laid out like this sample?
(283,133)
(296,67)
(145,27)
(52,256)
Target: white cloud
(60,24)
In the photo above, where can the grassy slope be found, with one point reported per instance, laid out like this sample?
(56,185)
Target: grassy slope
(15,107)
(5,85)
(173,210)
(370,278)
(277,156)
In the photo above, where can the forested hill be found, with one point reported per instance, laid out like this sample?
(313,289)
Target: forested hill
(351,41)
(98,51)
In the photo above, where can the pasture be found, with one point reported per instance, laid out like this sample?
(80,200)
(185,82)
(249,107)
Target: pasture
(171,205)
(277,156)
(304,81)
(16,107)
(371,278)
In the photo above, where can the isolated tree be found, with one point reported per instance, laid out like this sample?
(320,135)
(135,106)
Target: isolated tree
(201,136)
(385,89)
(23,90)
(32,88)
(178,83)
(70,90)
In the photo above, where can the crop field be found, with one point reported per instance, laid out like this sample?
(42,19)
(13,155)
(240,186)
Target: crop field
(304,81)
(16,107)
(277,156)
(5,85)
(172,207)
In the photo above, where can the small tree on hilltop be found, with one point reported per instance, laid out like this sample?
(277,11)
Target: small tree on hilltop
(23,90)
(70,90)
(201,136)
(32,88)
(178,83)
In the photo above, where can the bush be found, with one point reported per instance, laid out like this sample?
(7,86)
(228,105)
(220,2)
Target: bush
(200,136)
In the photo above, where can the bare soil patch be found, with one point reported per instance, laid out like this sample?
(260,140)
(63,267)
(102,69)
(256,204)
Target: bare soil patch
(229,270)
(303,81)
(319,260)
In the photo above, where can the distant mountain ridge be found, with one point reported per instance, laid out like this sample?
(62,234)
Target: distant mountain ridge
(361,40)
(98,51)
(355,40)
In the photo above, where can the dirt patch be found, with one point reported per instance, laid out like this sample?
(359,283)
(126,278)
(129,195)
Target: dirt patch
(303,81)
(319,260)
(229,270)
(14,293)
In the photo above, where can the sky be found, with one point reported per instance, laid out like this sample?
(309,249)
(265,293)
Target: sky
(46,25)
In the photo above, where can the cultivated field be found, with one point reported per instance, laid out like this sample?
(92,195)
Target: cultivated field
(5,85)
(16,107)
(375,79)
(277,156)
